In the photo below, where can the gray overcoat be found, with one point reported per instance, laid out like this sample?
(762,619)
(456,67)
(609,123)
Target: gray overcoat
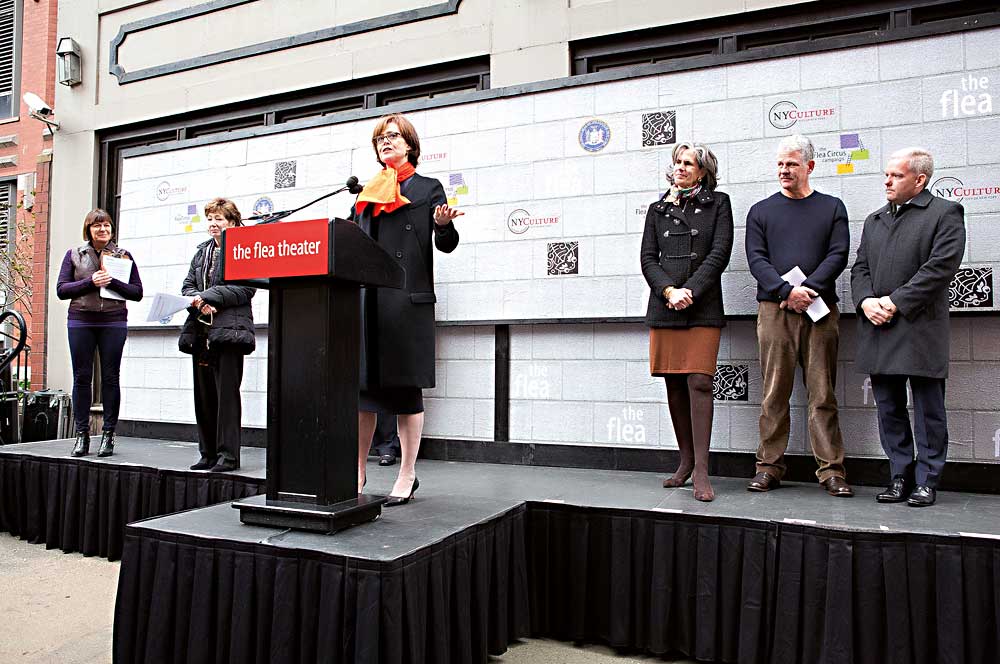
(912,258)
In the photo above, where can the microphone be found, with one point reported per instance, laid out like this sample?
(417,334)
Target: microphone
(352,185)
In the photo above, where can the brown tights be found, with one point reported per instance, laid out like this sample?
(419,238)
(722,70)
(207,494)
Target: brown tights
(689,397)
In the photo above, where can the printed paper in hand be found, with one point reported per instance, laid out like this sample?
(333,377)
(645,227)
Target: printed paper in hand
(818,309)
(166,305)
(118,268)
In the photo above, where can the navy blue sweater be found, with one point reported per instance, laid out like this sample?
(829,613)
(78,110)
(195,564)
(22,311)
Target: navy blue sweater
(810,232)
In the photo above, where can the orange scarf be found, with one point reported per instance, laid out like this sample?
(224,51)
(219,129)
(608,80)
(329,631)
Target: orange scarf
(382,191)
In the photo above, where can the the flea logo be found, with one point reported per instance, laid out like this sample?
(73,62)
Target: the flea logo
(532,383)
(972,99)
(784,114)
(628,427)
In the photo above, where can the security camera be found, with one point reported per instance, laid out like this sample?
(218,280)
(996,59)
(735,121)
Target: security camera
(37,105)
(39,110)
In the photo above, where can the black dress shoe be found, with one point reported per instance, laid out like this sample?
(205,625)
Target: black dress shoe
(396,500)
(107,447)
(203,464)
(897,492)
(922,496)
(763,482)
(387,460)
(82,446)
(225,466)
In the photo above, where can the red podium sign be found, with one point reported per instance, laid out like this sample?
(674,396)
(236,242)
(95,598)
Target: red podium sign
(287,249)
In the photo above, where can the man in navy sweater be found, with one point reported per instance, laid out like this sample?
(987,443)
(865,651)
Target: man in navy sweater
(798,227)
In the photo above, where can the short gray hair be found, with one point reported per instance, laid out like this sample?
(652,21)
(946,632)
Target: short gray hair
(920,160)
(706,160)
(798,143)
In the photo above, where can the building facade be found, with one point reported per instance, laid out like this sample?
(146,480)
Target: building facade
(550,123)
(27,64)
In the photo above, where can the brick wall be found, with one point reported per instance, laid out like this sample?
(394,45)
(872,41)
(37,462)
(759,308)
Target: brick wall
(38,42)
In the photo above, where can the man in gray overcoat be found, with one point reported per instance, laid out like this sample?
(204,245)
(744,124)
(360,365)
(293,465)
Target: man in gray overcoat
(910,250)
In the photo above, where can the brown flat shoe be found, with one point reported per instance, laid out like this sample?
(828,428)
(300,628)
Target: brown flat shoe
(763,482)
(838,486)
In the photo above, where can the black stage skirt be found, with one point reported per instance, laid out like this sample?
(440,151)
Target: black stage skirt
(392,400)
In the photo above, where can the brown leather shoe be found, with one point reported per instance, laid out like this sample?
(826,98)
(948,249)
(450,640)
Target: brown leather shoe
(763,482)
(838,486)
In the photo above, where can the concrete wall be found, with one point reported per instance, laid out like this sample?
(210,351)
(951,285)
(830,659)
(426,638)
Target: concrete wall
(526,40)
(589,383)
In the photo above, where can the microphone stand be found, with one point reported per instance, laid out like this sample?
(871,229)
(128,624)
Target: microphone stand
(274,217)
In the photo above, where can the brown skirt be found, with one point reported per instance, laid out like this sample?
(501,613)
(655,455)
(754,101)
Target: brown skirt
(674,350)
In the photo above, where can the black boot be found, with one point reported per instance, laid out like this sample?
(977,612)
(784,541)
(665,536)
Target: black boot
(107,444)
(82,447)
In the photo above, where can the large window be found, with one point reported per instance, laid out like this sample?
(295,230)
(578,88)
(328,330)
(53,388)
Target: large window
(10,57)
(799,28)
(423,83)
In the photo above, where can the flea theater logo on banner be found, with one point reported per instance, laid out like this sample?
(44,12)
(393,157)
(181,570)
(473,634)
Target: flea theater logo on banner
(785,114)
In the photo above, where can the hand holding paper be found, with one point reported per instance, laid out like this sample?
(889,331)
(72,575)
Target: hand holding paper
(818,309)
(166,305)
(117,268)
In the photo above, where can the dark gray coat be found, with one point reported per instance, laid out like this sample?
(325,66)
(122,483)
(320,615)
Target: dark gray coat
(687,250)
(911,258)
(233,324)
(397,348)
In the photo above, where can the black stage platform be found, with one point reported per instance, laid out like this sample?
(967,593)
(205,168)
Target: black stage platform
(47,496)
(490,553)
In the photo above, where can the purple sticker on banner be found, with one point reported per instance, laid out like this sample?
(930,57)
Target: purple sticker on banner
(849,141)
(192,209)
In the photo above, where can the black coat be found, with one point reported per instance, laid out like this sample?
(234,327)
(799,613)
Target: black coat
(912,259)
(687,250)
(233,323)
(397,348)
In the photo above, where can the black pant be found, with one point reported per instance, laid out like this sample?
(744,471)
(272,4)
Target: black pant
(930,426)
(218,374)
(109,341)
(386,439)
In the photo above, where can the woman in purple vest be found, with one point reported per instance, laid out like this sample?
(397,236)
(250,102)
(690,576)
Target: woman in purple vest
(97,321)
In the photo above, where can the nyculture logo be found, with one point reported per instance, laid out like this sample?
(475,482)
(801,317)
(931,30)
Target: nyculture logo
(785,114)
(955,190)
(519,221)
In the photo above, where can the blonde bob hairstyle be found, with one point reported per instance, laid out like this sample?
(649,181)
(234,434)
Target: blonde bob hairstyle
(226,208)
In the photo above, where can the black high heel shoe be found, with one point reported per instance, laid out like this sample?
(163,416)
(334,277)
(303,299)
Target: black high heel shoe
(396,500)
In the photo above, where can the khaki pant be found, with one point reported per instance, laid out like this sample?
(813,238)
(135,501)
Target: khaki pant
(787,339)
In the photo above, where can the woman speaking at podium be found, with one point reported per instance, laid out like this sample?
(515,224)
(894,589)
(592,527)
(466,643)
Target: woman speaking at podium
(403,212)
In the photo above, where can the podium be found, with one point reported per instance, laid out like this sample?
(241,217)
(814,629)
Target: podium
(313,271)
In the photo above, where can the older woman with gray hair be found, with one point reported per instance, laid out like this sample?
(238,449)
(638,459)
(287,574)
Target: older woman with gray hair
(686,245)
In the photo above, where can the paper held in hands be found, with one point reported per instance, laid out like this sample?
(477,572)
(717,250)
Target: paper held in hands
(118,268)
(818,309)
(165,305)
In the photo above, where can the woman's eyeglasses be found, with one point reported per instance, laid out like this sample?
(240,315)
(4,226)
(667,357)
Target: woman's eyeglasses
(387,137)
